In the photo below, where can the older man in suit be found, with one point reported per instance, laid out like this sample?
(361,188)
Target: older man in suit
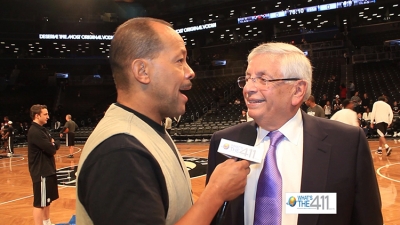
(315,154)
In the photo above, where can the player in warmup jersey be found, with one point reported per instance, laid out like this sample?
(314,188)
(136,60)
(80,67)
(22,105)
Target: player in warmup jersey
(69,129)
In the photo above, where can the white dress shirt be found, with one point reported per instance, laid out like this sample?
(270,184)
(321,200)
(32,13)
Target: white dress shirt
(289,156)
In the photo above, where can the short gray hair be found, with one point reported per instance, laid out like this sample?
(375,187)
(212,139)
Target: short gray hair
(294,64)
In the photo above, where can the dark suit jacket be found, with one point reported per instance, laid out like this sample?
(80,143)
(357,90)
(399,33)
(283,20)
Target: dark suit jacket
(336,158)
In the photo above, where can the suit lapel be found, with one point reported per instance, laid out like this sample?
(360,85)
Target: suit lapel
(316,155)
(246,135)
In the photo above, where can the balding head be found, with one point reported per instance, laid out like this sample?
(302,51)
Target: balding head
(134,39)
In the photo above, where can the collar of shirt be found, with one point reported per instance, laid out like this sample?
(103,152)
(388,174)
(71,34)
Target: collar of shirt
(158,127)
(290,129)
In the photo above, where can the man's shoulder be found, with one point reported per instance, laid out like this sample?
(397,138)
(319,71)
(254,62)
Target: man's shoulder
(120,141)
(121,145)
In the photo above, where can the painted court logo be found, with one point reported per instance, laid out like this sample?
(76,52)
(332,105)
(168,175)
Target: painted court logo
(67,176)
(196,166)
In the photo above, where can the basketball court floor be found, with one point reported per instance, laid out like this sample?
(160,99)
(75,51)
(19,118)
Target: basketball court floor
(16,187)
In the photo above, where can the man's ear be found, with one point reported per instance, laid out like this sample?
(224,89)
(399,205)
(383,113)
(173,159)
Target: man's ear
(300,89)
(139,69)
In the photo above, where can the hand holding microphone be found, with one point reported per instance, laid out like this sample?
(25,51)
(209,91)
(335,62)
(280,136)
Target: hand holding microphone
(238,152)
(229,179)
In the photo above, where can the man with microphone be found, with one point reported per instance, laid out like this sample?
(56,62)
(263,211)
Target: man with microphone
(130,171)
(299,153)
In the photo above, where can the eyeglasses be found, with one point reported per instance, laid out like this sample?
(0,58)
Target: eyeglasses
(242,81)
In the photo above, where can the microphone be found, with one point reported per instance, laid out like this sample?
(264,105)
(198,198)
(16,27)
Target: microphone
(249,153)
(221,212)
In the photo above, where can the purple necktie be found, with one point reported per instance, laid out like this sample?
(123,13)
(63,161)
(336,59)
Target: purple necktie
(268,207)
